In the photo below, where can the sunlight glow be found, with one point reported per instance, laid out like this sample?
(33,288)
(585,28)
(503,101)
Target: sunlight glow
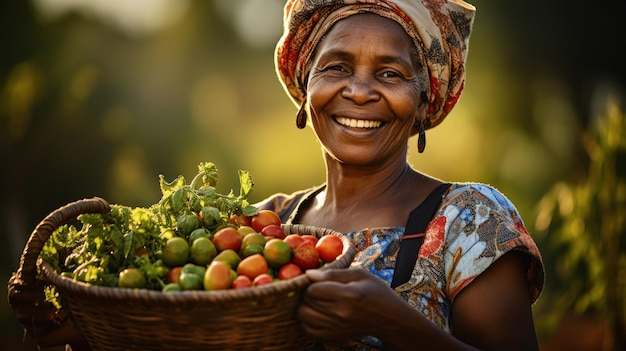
(136,17)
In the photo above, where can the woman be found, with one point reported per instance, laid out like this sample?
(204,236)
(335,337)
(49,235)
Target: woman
(367,76)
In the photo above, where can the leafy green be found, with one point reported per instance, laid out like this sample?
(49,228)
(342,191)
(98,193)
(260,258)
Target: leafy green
(103,245)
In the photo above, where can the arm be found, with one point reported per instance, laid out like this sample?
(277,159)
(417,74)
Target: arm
(492,313)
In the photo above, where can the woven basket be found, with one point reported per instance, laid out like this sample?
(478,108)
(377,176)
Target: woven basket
(258,318)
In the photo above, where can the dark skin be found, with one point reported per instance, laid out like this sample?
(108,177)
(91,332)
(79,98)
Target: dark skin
(364,97)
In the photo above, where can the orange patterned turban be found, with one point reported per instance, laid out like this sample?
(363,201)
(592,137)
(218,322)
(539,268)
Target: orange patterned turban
(440,30)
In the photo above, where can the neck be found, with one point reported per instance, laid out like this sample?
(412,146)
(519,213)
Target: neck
(351,186)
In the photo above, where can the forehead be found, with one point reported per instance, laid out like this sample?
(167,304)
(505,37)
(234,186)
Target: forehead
(367,30)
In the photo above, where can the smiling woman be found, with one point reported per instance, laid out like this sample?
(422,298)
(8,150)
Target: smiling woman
(367,75)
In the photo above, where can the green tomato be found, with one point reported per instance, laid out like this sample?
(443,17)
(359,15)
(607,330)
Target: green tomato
(202,251)
(194,269)
(176,252)
(199,233)
(191,281)
(211,216)
(132,278)
(171,287)
(187,223)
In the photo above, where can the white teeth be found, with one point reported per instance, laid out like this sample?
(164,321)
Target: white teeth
(358,123)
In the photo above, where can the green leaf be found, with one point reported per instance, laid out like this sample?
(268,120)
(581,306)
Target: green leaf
(128,243)
(168,188)
(210,175)
(250,210)
(246,182)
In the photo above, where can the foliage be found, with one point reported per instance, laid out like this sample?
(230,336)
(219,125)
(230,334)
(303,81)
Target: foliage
(125,237)
(584,230)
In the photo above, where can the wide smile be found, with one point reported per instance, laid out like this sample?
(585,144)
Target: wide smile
(358,123)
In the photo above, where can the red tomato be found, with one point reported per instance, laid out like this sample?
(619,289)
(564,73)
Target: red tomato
(288,271)
(173,276)
(217,276)
(264,218)
(273,230)
(262,279)
(311,238)
(306,256)
(329,247)
(227,238)
(293,240)
(241,282)
(240,220)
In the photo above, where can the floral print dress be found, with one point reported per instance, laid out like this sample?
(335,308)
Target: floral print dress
(474,226)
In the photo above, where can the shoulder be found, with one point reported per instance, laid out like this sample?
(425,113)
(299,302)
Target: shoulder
(481,225)
(461,194)
(284,204)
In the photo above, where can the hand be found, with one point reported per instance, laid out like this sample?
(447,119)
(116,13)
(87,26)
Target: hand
(342,304)
(47,325)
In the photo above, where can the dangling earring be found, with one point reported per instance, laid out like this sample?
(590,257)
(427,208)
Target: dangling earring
(421,138)
(301,116)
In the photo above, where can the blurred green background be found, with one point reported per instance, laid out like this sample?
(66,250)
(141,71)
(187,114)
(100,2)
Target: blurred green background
(99,97)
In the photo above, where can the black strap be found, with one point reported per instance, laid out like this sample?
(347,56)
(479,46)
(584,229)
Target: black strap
(414,235)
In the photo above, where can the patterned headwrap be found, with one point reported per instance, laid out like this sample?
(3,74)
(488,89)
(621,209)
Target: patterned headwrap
(440,30)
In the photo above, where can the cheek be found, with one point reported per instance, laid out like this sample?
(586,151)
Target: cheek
(406,106)
(319,93)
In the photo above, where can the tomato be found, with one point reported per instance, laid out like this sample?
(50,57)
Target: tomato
(241,282)
(176,252)
(277,252)
(273,230)
(240,220)
(329,247)
(217,276)
(131,278)
(251,239)
(193,268)
(250,250)
(190,281)
(230,257)
(252,266)
(199,233)
(210,216)
(306,256)
(202,251)
(174,274)
(309,237)
(227,238)
(288,271)
(171,287)
(264,218)
(187,223)
(244,230)
(293,240)
(262,279)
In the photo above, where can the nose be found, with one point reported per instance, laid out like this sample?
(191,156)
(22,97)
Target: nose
(360,90)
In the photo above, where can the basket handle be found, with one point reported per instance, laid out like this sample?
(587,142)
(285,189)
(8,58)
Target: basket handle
(27,271)
(26,293)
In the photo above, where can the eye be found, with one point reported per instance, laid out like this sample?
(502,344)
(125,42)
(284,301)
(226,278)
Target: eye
(338,68)
(390,74)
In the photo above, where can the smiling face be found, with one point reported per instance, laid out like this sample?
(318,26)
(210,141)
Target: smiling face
(363,90)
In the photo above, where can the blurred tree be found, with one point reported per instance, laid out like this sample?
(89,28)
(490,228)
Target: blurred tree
(583,228)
